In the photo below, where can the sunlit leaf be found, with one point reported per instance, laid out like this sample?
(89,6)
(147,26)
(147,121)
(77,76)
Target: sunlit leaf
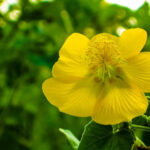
(74,142)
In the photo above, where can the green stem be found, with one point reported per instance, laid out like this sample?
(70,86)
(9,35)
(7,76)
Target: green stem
(139,127)
(139,142)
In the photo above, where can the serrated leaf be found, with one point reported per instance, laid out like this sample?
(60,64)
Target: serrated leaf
(101,137)
(74,142)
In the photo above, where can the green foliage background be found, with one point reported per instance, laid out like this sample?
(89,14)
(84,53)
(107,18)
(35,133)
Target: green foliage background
(29,46)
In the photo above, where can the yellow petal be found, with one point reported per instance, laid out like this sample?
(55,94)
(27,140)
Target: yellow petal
(138,68)
(76,99)
(132,41)
(71,64)
(121,103)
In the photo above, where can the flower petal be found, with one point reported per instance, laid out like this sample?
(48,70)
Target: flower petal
(138,70)
(120,104)
(71,64)
(72,98)
(132,41)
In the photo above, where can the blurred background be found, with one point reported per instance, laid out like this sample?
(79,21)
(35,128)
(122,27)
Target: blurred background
(31,34)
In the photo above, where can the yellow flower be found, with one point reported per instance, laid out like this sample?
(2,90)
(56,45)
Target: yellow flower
(104,77)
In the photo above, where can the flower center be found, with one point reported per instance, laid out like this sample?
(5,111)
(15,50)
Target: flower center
(104,58)
(105,72)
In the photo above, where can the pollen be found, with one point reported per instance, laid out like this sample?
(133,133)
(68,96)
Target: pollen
(104,58)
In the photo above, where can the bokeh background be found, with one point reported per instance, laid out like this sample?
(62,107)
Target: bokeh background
(31,34)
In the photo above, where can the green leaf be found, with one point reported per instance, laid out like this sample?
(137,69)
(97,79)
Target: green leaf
(100,137)
(148,97)
(148,109)
(140,120)
(74,142)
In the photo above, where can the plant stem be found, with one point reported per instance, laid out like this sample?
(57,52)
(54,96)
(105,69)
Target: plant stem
(139,142)
(139,127)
